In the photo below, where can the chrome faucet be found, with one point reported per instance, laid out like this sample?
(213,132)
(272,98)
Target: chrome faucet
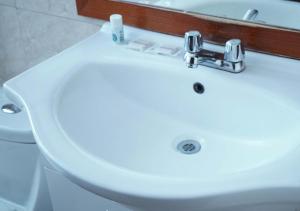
(250,15)
(232,60)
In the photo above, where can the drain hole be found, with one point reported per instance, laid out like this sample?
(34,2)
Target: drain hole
(199,88)
(189,147)
(10,109)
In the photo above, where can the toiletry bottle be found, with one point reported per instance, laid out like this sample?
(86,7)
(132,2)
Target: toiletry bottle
(116,23)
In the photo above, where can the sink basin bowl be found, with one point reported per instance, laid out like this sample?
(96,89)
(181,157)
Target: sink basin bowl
(127,113)
(114,125)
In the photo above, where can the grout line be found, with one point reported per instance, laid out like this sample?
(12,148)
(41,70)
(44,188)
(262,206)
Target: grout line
(64,17)
(22,39)
(7,5)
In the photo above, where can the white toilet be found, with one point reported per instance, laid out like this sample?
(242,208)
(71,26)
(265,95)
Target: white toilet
(22,181)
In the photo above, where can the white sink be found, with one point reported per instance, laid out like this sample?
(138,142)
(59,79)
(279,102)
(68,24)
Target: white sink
(110,119)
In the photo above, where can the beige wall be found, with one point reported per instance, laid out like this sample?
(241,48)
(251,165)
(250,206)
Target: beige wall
(34,30)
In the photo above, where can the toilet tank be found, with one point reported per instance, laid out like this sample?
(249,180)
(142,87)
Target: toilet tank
(14,127)
(18,155)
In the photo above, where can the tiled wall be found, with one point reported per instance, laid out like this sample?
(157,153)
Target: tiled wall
(34,30)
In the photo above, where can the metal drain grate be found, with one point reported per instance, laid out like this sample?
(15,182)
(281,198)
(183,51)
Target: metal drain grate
(189,147)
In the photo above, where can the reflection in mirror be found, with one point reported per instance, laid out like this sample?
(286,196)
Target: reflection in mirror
(278,13)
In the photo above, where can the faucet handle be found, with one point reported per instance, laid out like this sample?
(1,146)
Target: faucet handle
(234,51)
(193,42)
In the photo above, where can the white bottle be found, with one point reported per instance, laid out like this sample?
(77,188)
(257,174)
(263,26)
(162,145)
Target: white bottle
(117,30)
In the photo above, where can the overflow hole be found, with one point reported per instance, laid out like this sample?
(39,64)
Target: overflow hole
(198,88)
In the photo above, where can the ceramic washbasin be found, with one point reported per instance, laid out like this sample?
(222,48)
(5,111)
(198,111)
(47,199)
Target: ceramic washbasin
(111,119)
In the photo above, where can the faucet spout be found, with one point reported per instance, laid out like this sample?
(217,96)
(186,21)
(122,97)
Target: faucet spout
(250,15)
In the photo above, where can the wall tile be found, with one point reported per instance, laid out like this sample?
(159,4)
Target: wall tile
(34,5)
(62,8)
(12,54)
(35,30)
(8,2)
(44,36)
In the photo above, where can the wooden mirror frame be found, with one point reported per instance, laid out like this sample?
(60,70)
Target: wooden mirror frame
(256,37)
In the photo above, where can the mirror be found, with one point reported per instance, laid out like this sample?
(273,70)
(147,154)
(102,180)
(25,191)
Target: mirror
(276,13)
(268,26)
